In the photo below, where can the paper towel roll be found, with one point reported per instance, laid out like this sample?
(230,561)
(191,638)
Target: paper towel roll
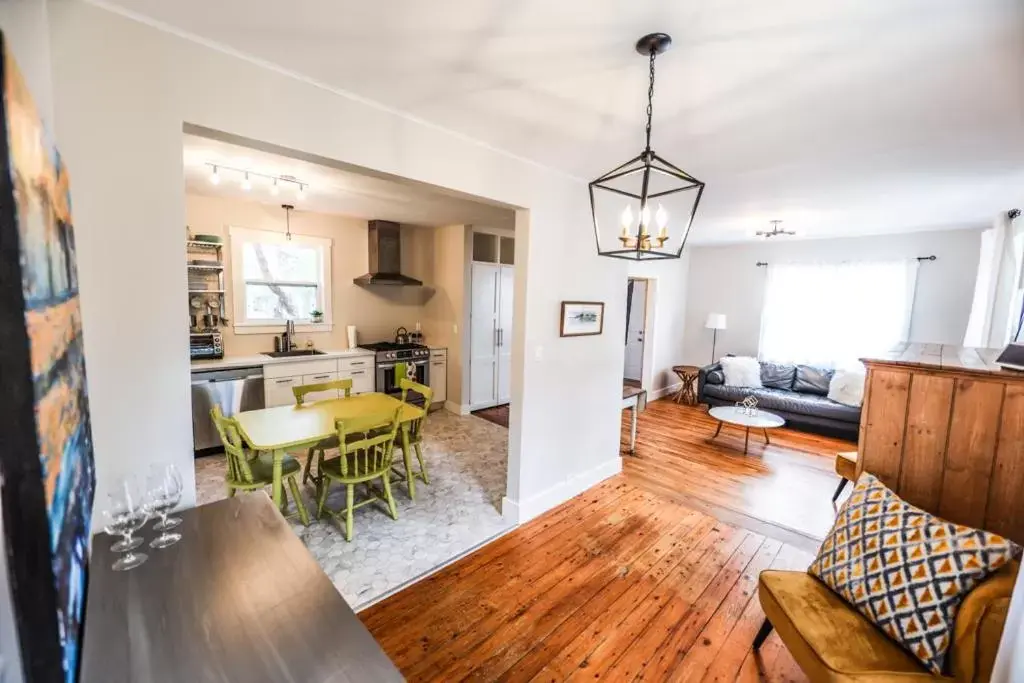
(353,340)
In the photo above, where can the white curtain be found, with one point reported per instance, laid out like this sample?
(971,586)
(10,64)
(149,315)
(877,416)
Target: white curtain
(999,287)
(832,314)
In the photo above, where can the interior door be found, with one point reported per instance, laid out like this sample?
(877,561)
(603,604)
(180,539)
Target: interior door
(635,330)
(483,336)
(505,285)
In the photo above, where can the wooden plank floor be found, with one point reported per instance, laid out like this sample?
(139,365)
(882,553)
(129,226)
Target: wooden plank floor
(618,584)
(651,575)
(782,490)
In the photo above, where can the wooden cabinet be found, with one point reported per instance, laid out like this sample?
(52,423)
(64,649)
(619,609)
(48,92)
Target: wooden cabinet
(943,426)
(439,374)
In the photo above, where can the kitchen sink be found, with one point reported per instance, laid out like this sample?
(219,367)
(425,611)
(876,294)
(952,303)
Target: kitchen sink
(293,354)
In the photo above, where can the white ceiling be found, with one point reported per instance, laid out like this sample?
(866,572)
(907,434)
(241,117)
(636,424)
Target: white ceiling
(839,117)
(327,189)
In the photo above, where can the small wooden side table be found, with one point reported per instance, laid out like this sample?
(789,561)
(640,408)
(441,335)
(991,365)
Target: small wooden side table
(688,376)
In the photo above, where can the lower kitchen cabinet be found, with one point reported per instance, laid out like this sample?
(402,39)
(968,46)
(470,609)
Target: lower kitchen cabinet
(438,375)
(279,378)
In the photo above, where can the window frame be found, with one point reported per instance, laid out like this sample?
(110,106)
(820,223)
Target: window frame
(239,237)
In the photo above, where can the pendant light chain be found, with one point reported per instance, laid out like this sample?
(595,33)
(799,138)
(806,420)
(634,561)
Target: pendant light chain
(287,221)
(650,102)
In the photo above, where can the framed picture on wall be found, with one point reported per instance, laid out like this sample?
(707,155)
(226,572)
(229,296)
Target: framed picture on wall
(581,318)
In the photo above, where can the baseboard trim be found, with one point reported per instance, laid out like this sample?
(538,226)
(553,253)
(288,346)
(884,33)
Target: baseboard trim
(670,390)
(456,408)
(519,512)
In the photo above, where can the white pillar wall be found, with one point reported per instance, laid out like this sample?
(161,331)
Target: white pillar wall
(124,89)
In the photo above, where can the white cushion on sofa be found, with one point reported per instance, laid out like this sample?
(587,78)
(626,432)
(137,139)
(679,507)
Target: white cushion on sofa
(741,371)
(847,387)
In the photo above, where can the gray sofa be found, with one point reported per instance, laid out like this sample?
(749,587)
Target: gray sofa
(799,393)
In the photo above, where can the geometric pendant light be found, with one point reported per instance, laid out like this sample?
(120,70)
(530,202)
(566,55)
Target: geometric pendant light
(643,209)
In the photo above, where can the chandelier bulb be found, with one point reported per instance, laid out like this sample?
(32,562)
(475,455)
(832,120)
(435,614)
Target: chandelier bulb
(645,219)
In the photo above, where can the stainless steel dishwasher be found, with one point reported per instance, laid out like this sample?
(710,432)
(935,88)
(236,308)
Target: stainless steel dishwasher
(233,390)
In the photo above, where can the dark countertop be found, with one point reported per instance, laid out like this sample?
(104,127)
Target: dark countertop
(239,598)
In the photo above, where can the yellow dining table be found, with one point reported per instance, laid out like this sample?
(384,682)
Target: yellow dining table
(287,427)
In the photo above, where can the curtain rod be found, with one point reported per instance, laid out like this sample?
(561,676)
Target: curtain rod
(933,257)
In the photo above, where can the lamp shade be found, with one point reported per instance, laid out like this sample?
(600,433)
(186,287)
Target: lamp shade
(716,321)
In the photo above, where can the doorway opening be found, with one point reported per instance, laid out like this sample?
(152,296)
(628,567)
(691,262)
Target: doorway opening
(636,331)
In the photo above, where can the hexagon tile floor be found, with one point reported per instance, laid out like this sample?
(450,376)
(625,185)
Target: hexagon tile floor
(460,509)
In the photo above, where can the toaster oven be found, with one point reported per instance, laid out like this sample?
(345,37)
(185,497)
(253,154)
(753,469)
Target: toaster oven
(205,345)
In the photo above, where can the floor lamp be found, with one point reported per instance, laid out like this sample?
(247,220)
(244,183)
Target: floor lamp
(716,322)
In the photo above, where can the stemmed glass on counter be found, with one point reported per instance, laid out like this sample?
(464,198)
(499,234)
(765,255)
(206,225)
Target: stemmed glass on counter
(125,514)
(163,493)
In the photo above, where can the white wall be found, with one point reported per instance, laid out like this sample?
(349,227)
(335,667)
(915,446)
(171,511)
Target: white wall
(666,319)
(727,280)
(122,93)
(25,24)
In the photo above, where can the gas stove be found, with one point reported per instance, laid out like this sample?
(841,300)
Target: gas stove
(387,352)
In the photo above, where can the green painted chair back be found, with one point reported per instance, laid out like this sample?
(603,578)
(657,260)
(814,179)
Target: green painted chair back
(239,471)
(339,384)
(371,455)
(416,426)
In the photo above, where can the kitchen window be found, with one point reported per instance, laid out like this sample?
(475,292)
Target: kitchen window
(276,280)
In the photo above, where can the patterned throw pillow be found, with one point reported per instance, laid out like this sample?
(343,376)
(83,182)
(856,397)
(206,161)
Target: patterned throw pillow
(904,569)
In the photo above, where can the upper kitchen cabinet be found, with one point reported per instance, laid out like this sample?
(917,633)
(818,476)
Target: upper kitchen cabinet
(492,248)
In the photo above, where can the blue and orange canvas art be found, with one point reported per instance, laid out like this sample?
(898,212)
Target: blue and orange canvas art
(47,459)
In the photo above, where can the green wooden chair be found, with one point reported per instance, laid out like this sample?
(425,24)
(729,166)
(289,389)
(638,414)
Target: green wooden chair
(247,473)
(361,462)
(300,393)
(415,436)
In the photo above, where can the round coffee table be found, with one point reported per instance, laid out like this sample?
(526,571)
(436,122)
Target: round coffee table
(763,420)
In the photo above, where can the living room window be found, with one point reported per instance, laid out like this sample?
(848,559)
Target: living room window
(832,314)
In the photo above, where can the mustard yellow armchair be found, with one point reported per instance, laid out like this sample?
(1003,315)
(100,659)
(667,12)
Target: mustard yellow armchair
(833,643)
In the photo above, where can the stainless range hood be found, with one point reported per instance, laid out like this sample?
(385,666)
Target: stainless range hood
(386,257)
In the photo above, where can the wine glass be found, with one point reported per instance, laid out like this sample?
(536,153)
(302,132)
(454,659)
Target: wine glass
(163,492)
(175,486)
(124,515)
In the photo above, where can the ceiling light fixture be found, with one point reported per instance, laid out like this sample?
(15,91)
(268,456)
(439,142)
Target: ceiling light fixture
(774,232)
(641,181)
(287,220)
(247,176)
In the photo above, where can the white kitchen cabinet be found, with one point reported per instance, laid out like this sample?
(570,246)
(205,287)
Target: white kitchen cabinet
(490,363)
(438,374)
(279,378)
(277,391)
(320,379)
(362,379)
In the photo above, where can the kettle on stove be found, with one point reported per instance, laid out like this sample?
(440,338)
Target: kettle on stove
(401,336)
